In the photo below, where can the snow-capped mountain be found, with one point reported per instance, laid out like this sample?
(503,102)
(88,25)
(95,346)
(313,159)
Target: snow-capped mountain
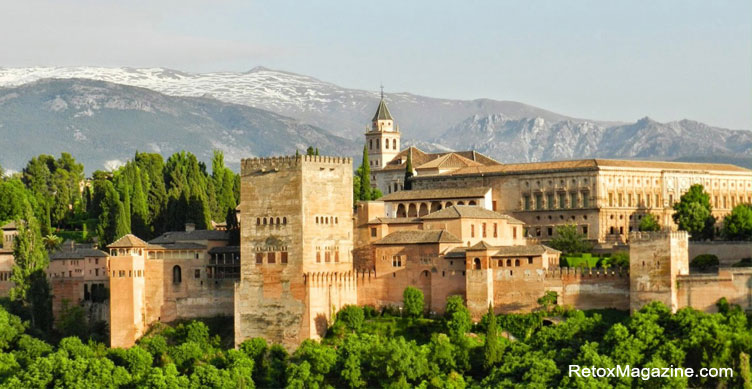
(103,124)
(342,111)
(537,139)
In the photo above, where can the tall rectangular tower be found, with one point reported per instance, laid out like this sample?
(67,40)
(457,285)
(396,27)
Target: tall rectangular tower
(296,247)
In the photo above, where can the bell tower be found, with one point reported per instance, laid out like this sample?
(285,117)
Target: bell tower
(382,137)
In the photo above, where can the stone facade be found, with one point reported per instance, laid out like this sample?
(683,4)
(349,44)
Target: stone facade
(296,245)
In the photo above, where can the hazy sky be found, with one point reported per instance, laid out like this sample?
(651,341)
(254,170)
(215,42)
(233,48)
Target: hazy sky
(610,60)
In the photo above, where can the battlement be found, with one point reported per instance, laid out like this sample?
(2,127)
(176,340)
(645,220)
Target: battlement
(264,164)
(317,279)
(645,236)
(576,272)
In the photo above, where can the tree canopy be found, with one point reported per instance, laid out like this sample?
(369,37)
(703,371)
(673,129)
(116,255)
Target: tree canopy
(692,213)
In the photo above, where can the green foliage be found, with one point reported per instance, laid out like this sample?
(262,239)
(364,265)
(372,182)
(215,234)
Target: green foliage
(649,223)
(704,262)
(546,301)
(744,262)
(737,225)
(492,349)
(413,301)
(362,190)
(620,259)
(569,241)
(693,213)
(351,316)
(409,172)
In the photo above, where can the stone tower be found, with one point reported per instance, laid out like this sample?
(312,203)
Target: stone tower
(126,273)
(655,259)
(296,243)
(383,137)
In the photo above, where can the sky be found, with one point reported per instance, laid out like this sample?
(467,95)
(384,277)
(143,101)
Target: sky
(604,60)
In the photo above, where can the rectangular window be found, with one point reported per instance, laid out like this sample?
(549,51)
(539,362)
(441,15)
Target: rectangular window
(259,258)
(562,200)
(530,260)
(327,256)
(283,258)
(496,230)
(610,199)
(585,200)
(484,230)
(318,256)
(584,230)
(373,232)
(493,205)
(514,233)
(573,200)
(197,273)
(526,200)
(629,200)
(550,231)
(271,258)
(621,199)
(336,256)
(472,230)
(639,199)
(538,201)
(550,201)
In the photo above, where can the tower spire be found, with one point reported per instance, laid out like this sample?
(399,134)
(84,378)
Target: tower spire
(382,91)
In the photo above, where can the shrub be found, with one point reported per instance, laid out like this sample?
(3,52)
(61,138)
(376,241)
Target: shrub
(413,301)
(351,316)
(744,262)
(704,261)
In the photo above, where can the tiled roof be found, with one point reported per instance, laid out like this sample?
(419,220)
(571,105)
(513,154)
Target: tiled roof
(419,236)
(9,226)
(128,240)
(382,113)
(451,160)
(77,253)
(429,194)
(176,246)
(592,164)
(394,220)
(181,236)
(482,245)
(536,249)
(421,158)
(502,251)
(225,249)
(468,211)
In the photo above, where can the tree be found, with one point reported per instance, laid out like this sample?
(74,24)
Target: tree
(364,172)
(412,299)
(409,170)
(492,349)
(569,241)
(649,223)
(704,262)
(693,213)
(548,300)
(457,317)
(30,260)
(737,225)
(52,242)
(352,316)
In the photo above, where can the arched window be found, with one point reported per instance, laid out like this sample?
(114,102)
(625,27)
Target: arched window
(278,221)
(317,220)
(472,202)
(476,263)
(336,220)
(401,210)
(264,221)
(394,144)
(370,144)
(177,276)
(386,143)
(258,221)
(284,220)
(509,262)
(516,262)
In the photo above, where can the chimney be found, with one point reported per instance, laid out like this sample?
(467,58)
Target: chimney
(190,227)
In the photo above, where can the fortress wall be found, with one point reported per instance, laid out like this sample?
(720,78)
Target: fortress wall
(728,252)
(65,289)
(702,291)
(589,288)
(327,293)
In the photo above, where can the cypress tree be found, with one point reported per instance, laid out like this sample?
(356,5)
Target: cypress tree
(409,170)
(365,177)
(491,349)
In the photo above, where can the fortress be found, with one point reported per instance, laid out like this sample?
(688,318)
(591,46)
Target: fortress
(470,226)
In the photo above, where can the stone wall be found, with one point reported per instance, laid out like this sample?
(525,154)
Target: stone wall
(655,261)
(728,252)
(589,288)
(702,291)
(300,209)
